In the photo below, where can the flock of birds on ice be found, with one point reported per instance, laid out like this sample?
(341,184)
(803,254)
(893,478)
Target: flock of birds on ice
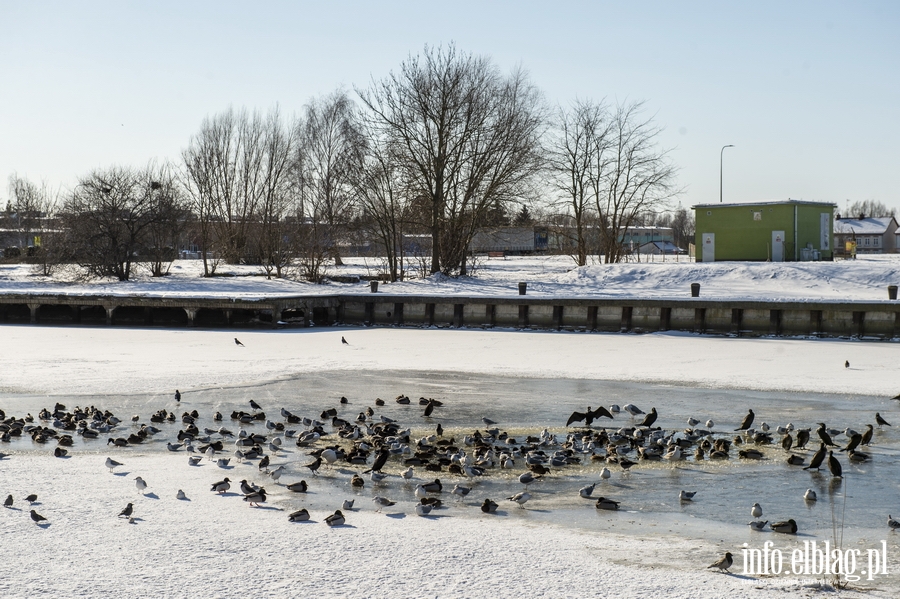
(372,443)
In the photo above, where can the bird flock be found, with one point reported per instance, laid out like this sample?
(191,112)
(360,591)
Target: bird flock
(370,452)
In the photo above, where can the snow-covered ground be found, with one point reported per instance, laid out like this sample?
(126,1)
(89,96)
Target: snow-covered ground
(866,278)
(217,546)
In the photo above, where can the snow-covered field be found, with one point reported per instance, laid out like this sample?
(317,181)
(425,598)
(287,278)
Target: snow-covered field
(866,278)
(209,545)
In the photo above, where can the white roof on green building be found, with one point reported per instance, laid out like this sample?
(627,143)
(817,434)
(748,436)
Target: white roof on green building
(765,203)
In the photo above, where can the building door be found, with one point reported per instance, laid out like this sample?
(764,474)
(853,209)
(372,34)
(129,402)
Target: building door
(709,247)
(777,246)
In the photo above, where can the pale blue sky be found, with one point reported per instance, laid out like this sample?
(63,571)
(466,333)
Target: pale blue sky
(808,92)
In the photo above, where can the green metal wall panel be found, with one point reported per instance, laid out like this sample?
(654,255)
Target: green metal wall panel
(744,232)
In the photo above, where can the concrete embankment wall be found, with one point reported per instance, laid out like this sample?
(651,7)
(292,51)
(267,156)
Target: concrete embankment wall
(871,320)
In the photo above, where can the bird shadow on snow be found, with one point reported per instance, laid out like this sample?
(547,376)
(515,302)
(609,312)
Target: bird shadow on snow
(344,526)
(121,473)
(396,515)
(184,499)
(151,495)
(15,509)
(738,576)
(227,494)
(43,524)
(268,507)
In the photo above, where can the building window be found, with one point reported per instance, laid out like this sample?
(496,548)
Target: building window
(877,241)
(867,241)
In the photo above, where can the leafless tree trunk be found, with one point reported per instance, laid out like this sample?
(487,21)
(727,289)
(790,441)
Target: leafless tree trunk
(469,140)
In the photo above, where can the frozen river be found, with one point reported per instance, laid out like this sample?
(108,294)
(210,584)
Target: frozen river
(851,511)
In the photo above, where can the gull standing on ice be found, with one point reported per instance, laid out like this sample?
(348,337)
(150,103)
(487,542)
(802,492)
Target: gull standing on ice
(520,498)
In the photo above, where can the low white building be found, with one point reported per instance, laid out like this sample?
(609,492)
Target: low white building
(872,235)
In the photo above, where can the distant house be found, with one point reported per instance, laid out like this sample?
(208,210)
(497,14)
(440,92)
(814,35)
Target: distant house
(778,231)
(656,248)
(872,235)
(509,240)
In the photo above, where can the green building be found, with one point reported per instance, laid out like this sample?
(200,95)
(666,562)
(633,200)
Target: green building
(789,230)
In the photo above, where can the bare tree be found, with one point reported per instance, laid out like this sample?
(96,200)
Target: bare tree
(30,220)
(231,171)
(107,218)
(172,218)
(639,178)
(869,209)
(329,155)
(579,159)
(383,195)
(469,140)
(276,228)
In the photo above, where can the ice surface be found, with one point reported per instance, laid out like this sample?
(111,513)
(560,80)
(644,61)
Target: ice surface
(558,546)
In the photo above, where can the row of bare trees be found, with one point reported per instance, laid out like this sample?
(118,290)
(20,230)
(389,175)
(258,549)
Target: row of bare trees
(446,144)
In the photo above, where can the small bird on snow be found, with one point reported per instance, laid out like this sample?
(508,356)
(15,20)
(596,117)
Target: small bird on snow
(724,563)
